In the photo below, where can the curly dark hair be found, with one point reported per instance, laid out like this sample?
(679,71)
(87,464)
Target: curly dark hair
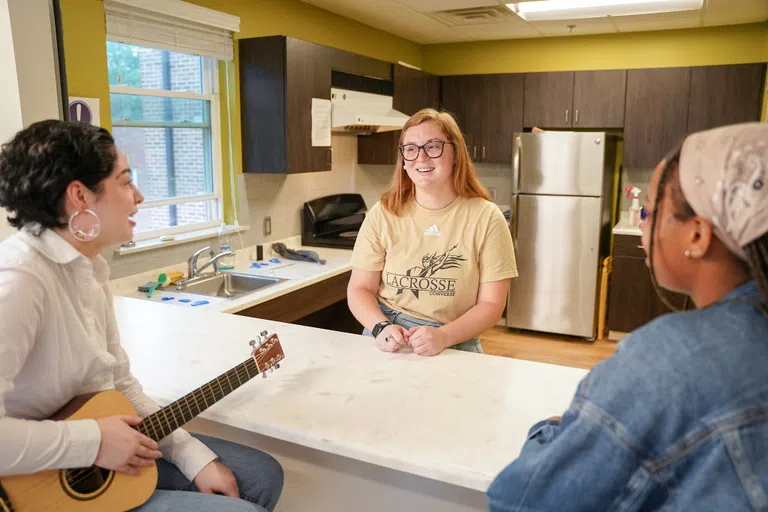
(39,162)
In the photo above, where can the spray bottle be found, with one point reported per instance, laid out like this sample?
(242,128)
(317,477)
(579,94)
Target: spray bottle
(634,210)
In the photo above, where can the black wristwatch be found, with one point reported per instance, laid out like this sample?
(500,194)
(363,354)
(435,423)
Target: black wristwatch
(379,327)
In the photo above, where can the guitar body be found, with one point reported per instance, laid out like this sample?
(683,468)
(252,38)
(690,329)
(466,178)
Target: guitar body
(83,490)
(94,489)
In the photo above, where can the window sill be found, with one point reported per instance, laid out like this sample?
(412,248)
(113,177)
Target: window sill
(178,239)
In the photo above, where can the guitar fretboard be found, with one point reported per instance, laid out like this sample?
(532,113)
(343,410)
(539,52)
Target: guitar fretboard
(169,418)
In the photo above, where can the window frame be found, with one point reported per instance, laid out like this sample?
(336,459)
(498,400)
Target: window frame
(212,95)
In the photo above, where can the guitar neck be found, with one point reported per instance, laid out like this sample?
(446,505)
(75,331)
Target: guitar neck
(160,424)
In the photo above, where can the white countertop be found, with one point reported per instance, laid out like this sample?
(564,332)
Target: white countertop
(297,275)
(458,417)
(625,228)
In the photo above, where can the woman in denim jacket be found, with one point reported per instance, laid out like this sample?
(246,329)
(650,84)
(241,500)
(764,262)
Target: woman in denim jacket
(677,419)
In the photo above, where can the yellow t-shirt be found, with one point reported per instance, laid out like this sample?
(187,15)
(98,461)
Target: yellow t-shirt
(432,261)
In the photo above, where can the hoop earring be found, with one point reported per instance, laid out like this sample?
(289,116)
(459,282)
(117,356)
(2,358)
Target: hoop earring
(89,235)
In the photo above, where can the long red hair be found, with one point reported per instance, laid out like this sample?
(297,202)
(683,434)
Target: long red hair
(465,183)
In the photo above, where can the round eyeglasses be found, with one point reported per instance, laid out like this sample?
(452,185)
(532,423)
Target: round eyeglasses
(433,149)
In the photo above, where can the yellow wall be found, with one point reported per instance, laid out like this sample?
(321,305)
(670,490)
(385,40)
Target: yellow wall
(86,59)
(310,23)
(690,47)
(765,91)
(85,52)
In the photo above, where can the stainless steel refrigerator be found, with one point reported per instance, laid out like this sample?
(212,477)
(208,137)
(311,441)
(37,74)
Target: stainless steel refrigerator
(562,194)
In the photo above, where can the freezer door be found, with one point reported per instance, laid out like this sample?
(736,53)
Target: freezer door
(557,256)
(559,163)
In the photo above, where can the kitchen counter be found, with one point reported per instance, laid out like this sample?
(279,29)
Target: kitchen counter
(625,228)
(297,275)
(447,424)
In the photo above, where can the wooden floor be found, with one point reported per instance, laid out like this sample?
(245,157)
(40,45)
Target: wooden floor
(500,341)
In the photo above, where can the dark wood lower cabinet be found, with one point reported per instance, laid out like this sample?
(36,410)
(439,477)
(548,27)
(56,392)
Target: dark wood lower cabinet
(322,305)
(633,301)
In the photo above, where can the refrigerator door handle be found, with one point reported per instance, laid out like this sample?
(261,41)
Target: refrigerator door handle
(517,156)
(516,222)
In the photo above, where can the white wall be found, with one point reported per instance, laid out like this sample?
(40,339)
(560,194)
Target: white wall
(10,104)
(34,44)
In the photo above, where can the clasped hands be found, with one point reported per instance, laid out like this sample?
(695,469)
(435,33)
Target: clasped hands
(425,340)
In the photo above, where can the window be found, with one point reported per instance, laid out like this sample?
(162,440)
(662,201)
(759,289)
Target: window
(165,117)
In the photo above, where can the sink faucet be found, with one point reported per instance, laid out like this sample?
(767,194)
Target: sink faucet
(214,259)
(192,261)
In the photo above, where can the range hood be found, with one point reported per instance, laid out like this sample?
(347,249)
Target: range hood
(363,112)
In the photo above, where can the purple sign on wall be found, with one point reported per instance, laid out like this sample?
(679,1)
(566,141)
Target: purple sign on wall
(80,112)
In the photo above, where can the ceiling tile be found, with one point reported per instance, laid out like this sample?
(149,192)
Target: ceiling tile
(581,27)
(731,12)
(666,21)
(500,31)
(445,5)
(393,17)
(407,19)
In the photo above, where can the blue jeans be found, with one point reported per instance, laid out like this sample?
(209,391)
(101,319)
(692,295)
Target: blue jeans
(403,320)
(259,478)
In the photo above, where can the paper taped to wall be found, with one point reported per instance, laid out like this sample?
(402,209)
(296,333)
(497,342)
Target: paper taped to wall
(321,122)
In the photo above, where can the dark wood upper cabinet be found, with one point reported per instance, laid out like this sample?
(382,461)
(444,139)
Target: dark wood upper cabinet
(414,90)
(502,116)
(580,99)
(279,76)
(489,109)
(723,95)
(656,114)
(460,96)
(598,98)
(548,100)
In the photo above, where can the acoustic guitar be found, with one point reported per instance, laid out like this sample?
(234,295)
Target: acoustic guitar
(98,489)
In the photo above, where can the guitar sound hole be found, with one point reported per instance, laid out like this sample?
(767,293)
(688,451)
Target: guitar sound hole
(86,483)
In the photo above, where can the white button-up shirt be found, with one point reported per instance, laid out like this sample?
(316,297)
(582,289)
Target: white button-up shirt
(58,340)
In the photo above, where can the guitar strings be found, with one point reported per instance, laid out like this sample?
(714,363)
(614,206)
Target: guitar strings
(77,476)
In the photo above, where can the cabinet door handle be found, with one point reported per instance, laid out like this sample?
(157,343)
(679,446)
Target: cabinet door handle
(483,152)
(566,116)
(474,152)
(576,119)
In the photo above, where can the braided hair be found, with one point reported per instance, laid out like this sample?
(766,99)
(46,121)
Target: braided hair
(682,211)
(756,251)
(757,257)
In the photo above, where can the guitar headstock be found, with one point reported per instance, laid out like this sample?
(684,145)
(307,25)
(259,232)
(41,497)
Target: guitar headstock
(267,352)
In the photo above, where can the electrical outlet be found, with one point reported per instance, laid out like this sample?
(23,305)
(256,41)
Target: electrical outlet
(267,226)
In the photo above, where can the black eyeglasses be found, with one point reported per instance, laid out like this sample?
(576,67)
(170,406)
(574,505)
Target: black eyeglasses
(433,149)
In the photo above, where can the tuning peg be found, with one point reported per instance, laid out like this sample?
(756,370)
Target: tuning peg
(264,375)
(277,366)
(252,343)
(264,334)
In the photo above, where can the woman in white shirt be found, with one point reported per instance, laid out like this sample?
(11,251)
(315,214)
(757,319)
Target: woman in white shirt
(70,193)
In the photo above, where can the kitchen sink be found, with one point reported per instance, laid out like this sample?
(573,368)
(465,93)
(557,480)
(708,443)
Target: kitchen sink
(226,284)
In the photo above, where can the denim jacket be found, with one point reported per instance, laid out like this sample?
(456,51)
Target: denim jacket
(677,419)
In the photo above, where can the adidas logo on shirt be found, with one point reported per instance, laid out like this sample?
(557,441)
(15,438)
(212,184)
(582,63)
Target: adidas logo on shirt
(432,231)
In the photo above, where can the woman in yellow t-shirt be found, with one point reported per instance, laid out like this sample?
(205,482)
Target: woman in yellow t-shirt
(434,257)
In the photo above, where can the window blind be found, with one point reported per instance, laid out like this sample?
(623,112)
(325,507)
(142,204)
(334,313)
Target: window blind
(172,25)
